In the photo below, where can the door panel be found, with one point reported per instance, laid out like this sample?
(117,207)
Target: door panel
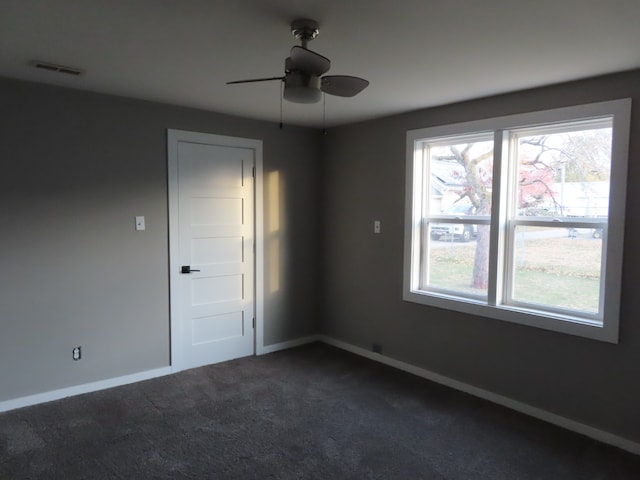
(216,250)
(216,289)
(216,211)
(216,327)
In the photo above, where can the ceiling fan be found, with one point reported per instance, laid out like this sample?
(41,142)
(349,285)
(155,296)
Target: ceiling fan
(303,70)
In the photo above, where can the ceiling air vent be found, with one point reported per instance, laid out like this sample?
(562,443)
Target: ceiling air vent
(53,67)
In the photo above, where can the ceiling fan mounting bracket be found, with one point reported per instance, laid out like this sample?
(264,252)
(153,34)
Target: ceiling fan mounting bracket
(305,30)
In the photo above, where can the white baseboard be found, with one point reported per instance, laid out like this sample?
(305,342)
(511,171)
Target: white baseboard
(290,344)
(127,379)
(581,428)
(80,389)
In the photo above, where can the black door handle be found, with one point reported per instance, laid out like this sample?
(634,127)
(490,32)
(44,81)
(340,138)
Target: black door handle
(187,269)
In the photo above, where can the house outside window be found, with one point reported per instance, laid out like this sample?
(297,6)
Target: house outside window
(521,218)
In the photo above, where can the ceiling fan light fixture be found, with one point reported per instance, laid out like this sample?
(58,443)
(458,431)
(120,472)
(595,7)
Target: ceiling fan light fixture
(301,88)
(302,94)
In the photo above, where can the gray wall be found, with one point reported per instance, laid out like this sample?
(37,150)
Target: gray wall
(363,180)
(78,166)
(76,169)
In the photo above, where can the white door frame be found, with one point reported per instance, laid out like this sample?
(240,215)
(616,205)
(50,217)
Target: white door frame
(173,137)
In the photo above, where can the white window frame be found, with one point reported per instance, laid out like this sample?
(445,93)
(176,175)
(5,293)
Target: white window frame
(606,326)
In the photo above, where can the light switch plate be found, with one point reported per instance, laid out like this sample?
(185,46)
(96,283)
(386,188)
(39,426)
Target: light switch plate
(140,223)
(376,226)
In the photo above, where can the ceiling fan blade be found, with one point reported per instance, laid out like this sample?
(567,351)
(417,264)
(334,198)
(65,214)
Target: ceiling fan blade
(309,62)
(343,85)
(253,80)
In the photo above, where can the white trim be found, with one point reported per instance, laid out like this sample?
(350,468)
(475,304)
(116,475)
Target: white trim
(173,137)
(81,389)
(290,344)
(259,254)
(72,391)
(560,421)
(568,424)
(174,235)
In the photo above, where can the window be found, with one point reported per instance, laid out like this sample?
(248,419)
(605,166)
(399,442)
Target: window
(521,218)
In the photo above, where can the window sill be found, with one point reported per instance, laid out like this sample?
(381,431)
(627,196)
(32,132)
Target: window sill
(576,326)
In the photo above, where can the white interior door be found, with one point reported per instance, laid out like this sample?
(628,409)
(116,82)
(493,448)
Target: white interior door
(212,250)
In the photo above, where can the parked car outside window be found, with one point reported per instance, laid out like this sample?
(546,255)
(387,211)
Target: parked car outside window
(455,231)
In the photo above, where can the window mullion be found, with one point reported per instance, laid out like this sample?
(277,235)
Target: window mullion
(498,194)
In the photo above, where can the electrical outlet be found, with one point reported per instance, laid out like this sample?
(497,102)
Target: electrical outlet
(77,353)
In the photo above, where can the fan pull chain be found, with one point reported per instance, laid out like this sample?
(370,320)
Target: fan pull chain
(281,95)
(324,113)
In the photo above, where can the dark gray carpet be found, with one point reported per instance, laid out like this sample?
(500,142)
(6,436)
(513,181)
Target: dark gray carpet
(312,412)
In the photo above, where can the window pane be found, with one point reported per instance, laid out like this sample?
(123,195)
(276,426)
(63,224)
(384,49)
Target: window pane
(458,258)
(564,174)
(558,267)
(461,176)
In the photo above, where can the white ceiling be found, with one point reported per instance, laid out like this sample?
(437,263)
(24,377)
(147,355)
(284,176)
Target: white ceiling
(415,53)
